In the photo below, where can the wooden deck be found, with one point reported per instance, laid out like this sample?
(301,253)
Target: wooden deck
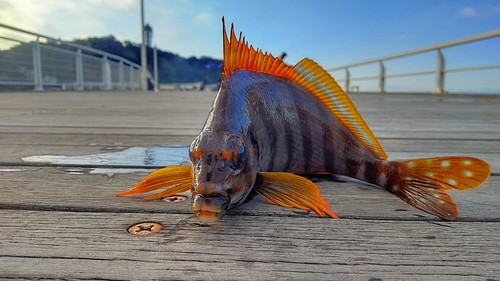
(63,222)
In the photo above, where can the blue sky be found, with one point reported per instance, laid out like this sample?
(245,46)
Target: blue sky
(333,33)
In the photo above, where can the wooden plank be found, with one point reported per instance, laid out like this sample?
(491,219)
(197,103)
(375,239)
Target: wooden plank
(154,110)
(17,146)
(95,245)
(65,222)
(170,138)
(80,189)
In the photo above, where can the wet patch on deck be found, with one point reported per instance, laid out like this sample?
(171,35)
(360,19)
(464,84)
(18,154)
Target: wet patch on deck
(137,157)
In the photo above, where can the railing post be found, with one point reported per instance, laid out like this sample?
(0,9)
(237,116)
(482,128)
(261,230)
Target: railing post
(79,70)
(439,86)
(131,77)
(144,61)
(37,66)
(155,66)
(381,78)
(121,76)
(347,77)
(106,74)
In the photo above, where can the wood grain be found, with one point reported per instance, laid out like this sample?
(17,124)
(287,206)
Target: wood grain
(64,222)
(77,245)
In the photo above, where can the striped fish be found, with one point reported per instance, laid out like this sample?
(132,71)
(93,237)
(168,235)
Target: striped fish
(271,122)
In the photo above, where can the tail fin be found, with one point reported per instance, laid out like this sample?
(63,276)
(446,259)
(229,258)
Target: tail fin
(176,179)
(423,182)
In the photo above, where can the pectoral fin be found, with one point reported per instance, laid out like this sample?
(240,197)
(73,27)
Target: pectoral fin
(176,179)
(292,191)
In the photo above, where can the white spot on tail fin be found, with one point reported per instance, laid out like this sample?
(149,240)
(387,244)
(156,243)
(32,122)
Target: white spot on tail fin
(468,174)
(452,181)
(411,165)
(445,164)
(423,200)
(429,174)
(466,162)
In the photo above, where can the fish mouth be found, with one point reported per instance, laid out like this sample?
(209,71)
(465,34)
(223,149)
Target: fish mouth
(209,208)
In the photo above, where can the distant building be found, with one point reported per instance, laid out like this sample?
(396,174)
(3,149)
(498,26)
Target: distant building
(148,35)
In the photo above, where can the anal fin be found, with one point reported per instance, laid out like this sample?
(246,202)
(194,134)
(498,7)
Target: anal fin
(292,191)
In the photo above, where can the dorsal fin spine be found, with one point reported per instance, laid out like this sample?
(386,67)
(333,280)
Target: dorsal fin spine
(238,55)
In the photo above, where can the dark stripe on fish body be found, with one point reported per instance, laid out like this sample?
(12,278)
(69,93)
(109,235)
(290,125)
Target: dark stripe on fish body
(371,171)
(319,137)
(306,142)
(390,168)
(290,143)
(281,150)
(346,165)
(328,153)
(306,149)
(351,167)
(273,138)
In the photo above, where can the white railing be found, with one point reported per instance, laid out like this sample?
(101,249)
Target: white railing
(439,72)
(28,59)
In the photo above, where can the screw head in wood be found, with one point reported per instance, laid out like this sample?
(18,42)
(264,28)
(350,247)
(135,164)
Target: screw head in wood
(144,228)
(174,198)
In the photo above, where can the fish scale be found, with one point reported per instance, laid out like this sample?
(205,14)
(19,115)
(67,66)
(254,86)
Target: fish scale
(286,143)
(272,123)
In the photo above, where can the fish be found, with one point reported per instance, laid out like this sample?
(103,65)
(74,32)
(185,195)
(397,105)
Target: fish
(271,124)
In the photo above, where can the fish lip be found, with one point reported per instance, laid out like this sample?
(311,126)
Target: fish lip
(209,208)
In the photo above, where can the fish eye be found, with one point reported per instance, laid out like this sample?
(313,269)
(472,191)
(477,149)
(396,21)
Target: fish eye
(239,156)
(234,153)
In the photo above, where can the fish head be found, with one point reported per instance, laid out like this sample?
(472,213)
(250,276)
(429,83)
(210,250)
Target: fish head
(222,174)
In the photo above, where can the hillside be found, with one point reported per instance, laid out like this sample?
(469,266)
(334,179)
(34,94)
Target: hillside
(171,67)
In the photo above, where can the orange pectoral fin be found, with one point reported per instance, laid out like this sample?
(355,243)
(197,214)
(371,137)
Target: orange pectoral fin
(292,191)
(176,179)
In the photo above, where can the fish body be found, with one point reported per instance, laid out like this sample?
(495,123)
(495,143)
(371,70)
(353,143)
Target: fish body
(292,131)
(270,123)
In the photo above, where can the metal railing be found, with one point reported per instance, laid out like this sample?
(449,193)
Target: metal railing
(439,72)
(30,59)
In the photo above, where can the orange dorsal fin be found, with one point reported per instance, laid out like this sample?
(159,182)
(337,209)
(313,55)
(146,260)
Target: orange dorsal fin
(238,55)
(323,87)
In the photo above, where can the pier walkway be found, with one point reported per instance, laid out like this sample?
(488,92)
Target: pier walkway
(61,221)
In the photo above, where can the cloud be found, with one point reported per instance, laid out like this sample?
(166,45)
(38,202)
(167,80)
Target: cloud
(467,12)
(119,4)
(203,17)
(72,19)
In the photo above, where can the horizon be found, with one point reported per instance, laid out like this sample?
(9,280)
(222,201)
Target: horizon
(333,33)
